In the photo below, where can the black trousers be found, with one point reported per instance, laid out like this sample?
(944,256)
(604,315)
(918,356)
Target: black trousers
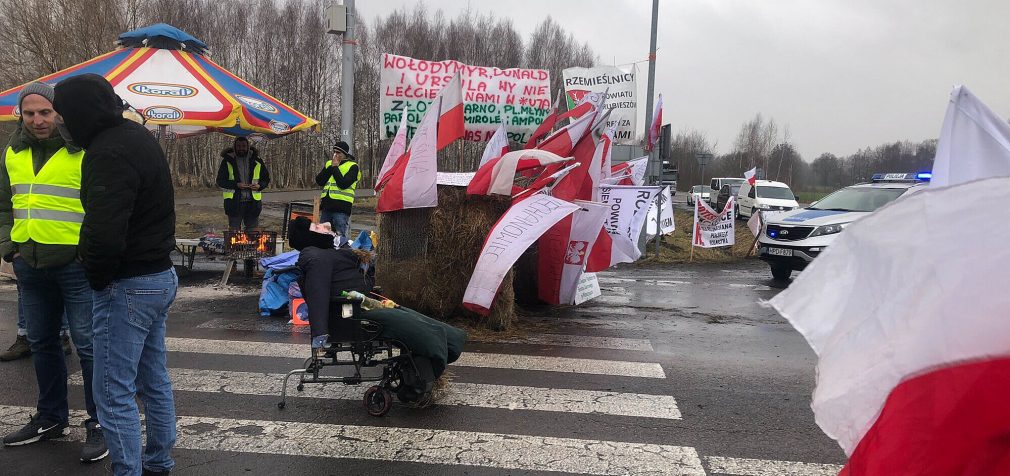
(244,213)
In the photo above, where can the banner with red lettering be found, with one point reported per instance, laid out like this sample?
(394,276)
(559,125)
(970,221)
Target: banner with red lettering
(520,97)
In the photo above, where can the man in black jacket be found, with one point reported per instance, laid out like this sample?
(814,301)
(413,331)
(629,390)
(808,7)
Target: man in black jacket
(127,235)
(242,177)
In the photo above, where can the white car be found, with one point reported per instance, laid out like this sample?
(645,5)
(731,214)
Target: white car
(697,192)
(764,195)
(791,240)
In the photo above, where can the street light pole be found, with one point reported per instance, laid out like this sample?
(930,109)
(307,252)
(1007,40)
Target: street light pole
(651,93)
(347,76)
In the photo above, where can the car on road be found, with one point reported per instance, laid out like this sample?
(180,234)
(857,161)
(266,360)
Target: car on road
(698,192)
(715,186)
(728,190)
(764,195)
(791,240)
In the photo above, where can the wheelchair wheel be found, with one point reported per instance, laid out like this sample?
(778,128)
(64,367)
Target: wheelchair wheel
(394,379)
(378,400)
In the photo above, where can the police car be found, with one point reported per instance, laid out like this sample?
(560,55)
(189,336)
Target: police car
(791,240)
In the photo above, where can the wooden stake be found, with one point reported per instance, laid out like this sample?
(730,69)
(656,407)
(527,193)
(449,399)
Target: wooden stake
(692,252)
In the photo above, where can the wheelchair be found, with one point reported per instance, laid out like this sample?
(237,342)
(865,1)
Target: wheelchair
(356,342)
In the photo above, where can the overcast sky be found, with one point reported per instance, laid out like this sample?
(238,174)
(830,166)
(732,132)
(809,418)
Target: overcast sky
(840,74)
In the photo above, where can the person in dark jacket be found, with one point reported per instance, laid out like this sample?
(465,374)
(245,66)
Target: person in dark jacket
(339,178)
(127,235)
(242,177)
(324,268)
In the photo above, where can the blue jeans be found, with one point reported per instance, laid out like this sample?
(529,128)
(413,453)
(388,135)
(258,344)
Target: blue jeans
(130,317)
(46,296)
(23,326)
(340,222)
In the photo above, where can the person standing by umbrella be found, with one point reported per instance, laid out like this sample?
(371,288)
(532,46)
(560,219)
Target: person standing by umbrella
(40,228)
(126,238)
(339,179)
(242,176)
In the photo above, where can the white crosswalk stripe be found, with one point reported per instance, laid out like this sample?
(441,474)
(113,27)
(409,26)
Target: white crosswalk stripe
(563,340)
(468,359)
(446,447)
(761,467)
(508,397)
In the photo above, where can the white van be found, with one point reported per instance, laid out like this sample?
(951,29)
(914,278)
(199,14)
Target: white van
(716,186)
(764,195)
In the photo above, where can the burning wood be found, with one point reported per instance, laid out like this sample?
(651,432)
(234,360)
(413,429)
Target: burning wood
(250,245)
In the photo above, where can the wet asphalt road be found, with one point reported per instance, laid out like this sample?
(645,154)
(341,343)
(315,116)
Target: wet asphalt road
(740,376)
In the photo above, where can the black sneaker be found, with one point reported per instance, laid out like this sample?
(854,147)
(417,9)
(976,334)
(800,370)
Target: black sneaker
(94,446)
(67,350)
(37,429)
(149,472)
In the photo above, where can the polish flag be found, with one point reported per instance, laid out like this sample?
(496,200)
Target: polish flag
(497,176)
(657,124)
(910,321)
(563,141)
(583,231)
(497,146)
(411,181)
(396,149)
(450,112)
(631,172)
(589,102)
(546,126)
(751,176)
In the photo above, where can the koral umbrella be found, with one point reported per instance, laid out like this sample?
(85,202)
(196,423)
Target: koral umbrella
(166,75)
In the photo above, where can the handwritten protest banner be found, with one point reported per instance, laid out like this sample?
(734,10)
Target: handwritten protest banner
(621,95)
(713,229)
(520,97)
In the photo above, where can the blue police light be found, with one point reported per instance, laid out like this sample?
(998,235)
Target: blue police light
(773,234)
(924,176)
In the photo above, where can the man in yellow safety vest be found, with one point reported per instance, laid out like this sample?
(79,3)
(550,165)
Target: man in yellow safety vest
(242,177)
(339,179)
(40,225)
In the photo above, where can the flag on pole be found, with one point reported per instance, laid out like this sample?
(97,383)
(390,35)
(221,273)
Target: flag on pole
(907,313)
(411,182)
(631,172)
(546,126)
(396,149)
(657,124)
(497,146)
(974,142)
(497,177)
(751,176)
(515,231)
(450,112)
(583,233)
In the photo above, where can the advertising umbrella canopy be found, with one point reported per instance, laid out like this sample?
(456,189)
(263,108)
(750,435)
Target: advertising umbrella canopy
(165,74)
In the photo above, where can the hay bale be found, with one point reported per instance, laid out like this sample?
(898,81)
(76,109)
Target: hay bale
(426,256)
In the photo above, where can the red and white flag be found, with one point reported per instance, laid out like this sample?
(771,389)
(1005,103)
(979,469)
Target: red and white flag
(450,112)
(411,182)
(546,126)
(974,142)
(515,231)
(563,141)
(657,124)
(396,149)
(497,146)
(497,177)
(592,102)
(907,311)
(751,176)
(631,172)
(713,229)
(584,229)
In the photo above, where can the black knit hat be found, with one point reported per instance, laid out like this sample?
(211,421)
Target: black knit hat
(341,146)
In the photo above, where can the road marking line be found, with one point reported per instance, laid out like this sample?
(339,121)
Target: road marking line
(459,394)
(414,445)
(617,311)
(763,467)
(468,359)
(564,340)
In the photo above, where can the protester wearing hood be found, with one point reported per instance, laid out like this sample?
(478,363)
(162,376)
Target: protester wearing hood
(339,179)
(40,229)
(242,176)
(127,235)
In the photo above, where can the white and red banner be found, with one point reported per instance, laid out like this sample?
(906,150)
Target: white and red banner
(664,202)
(908,316)
(657,124)
(631,172)
(411,181)
(497,177)
(546,126)
(627,209)
(450,112)
(520,96)
(496,147)
(751,176)
(396,149)
(515,231)
(618,83)
(714,229)
(974,142)
(558,278)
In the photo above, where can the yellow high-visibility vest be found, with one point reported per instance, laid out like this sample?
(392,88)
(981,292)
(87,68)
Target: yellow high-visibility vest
(229,193)
(331,189)
(47,207)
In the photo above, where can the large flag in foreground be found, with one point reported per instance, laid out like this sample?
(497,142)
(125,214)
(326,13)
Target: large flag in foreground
(396,150)
(907,311)
(974,142)
(412,181)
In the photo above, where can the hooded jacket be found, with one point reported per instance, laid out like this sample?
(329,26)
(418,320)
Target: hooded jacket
(228,157)
(126,188)
(37,255)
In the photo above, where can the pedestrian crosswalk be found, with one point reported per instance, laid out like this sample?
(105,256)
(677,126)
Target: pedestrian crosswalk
(491,416)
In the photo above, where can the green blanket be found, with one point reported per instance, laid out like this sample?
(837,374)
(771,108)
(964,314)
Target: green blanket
(423,335)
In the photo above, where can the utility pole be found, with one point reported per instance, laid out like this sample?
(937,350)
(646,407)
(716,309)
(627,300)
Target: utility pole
(655,160)
(347,76)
